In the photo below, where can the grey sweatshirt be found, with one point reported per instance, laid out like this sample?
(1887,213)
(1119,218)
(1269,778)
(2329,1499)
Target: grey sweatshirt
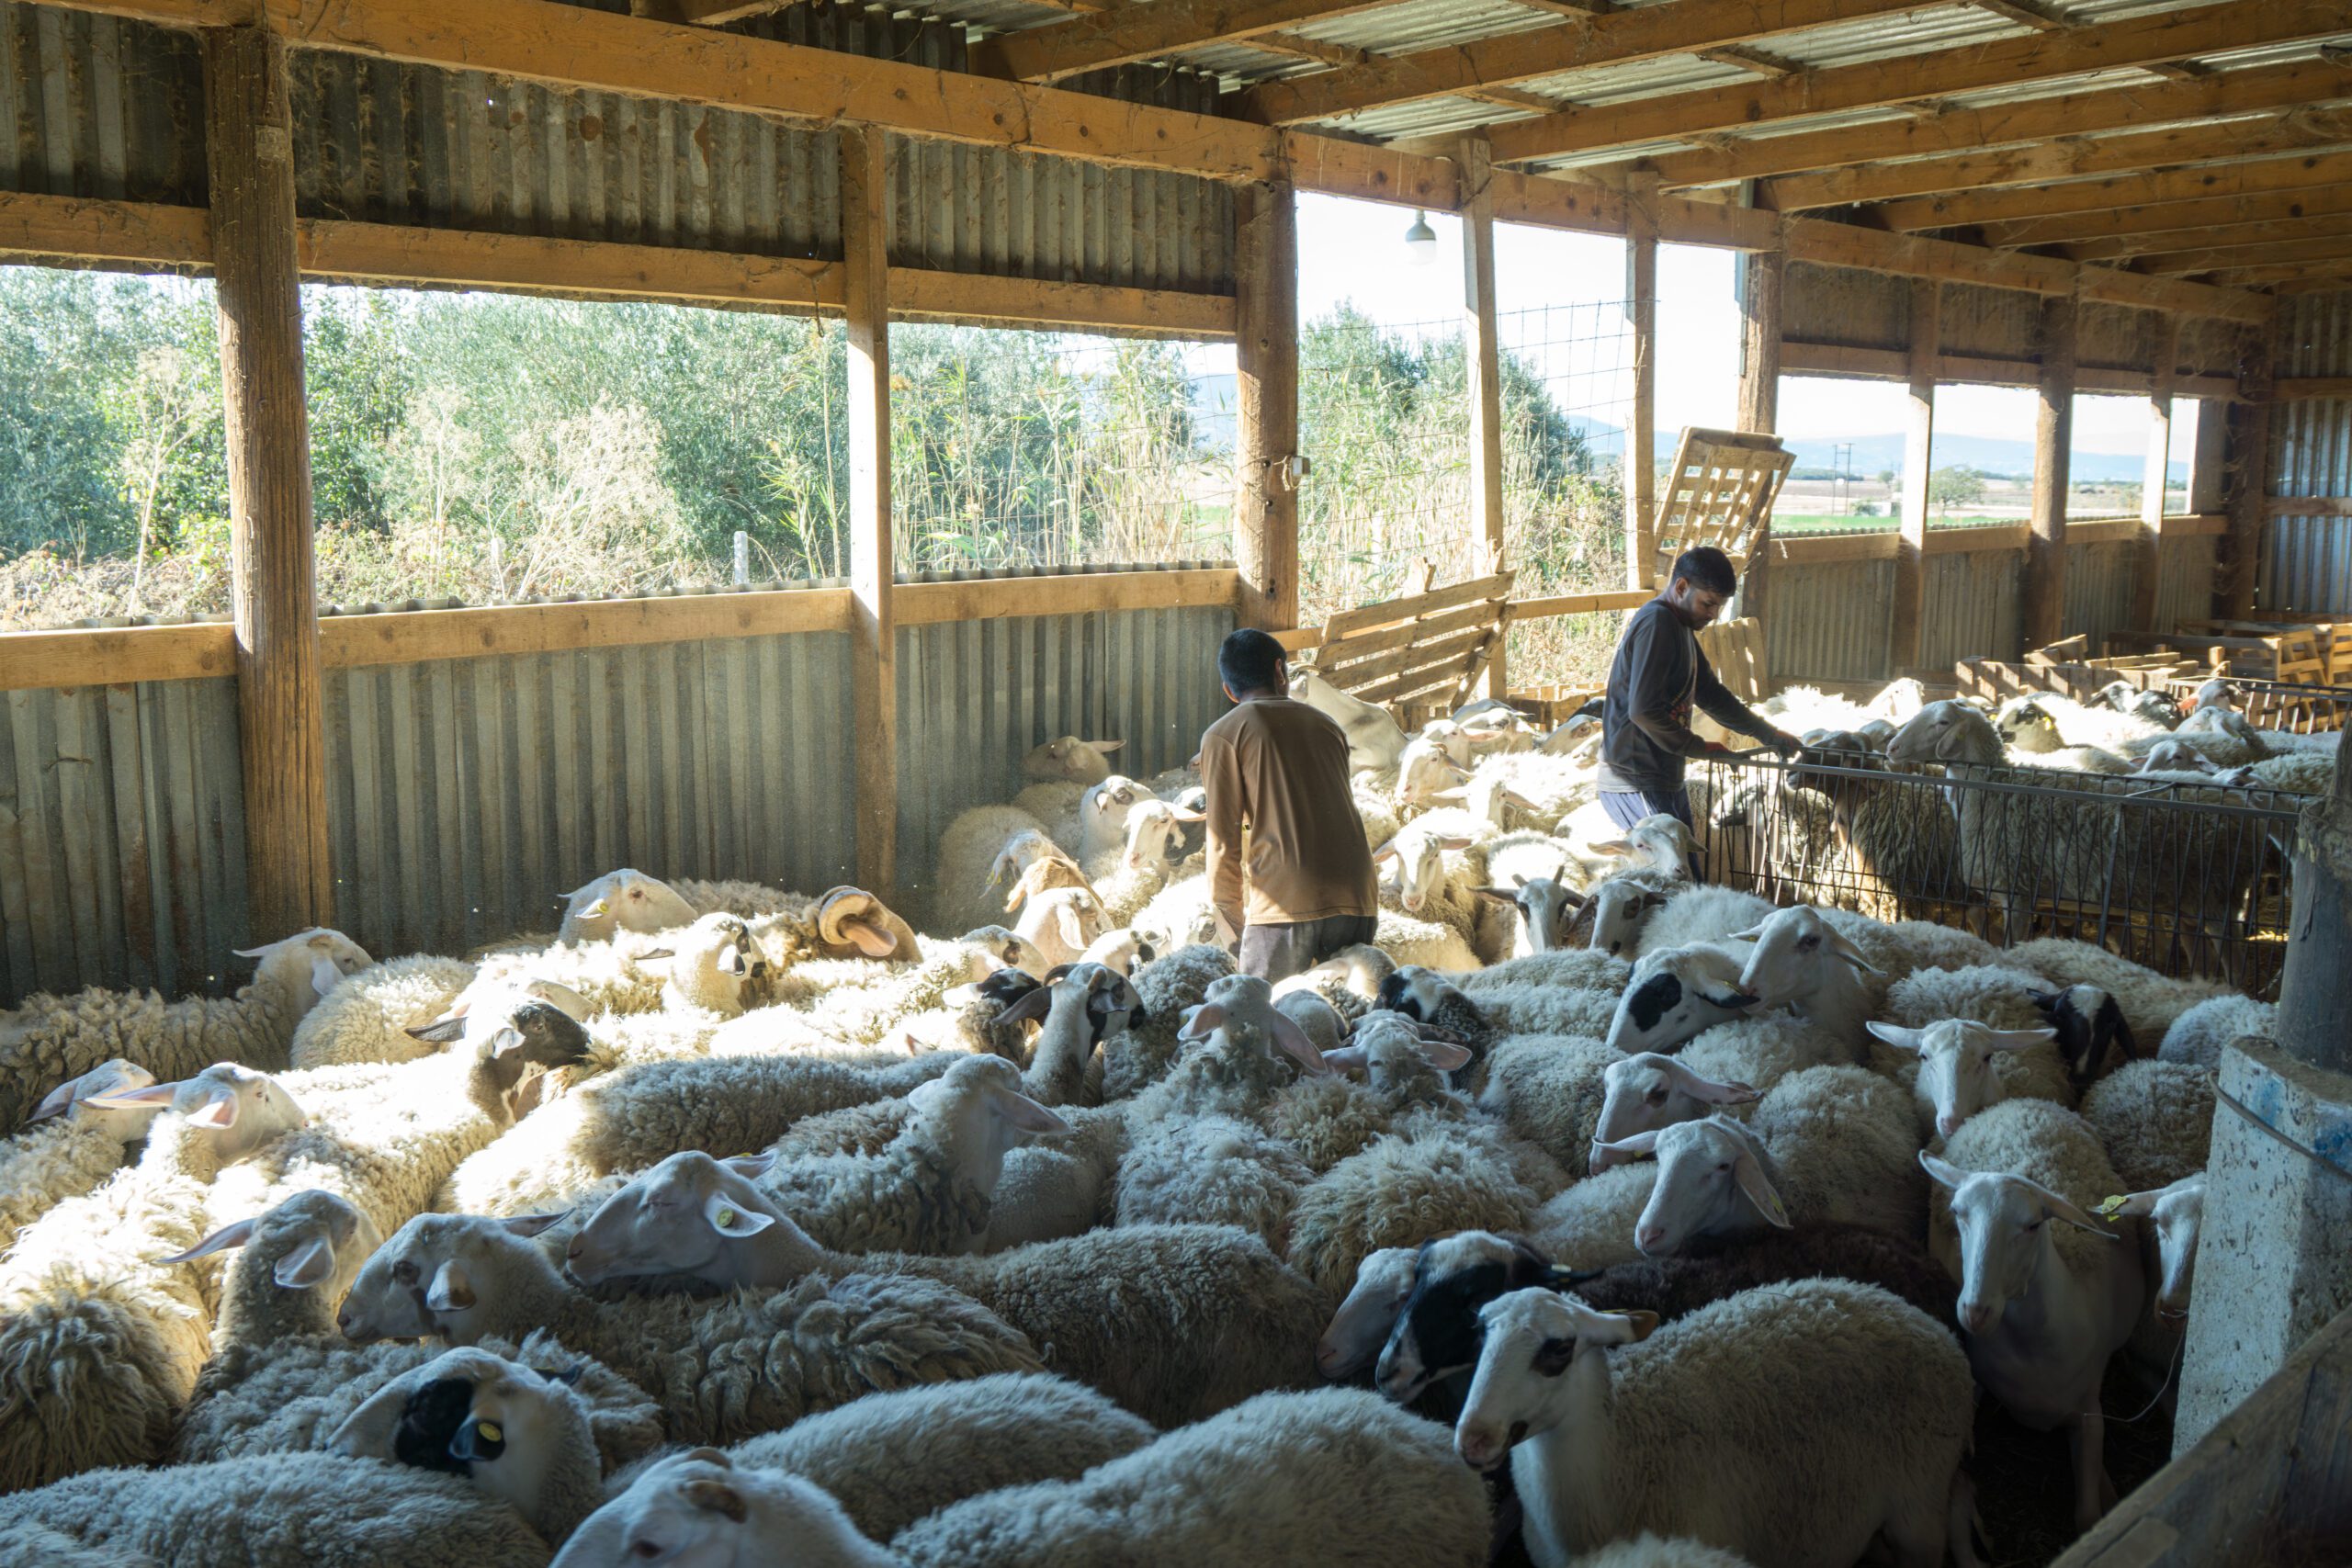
(1658,675)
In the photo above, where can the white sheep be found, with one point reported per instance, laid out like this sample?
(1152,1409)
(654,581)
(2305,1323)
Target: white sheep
(1549,1091)
(622,900)
(2196,1035)
(1375,739)
(977,860)
(1068,758)
(2154,1119)
(1061,922)
(1171,1321)
(1964,1067)
(369,1018)
(1329,1476)
(1688,1428)
(1127,879)
(1695,913)
(2042,1307)
(51,1039)
(1671,996)
(1803,960)
(1437,1176)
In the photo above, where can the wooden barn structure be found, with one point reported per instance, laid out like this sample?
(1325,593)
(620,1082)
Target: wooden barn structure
(2097,196)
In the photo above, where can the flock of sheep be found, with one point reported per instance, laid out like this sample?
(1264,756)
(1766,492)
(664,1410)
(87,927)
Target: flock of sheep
(730,1225)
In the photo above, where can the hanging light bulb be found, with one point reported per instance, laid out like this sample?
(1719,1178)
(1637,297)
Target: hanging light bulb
(1421,241)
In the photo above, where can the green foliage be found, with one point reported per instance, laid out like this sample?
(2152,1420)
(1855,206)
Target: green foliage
(1948,488)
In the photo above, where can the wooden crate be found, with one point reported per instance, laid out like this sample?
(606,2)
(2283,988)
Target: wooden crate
(1998,680)
(2333,636)
(1550,704)
(1718,491)
(2283,654)
(1420,654)
(2272,1482)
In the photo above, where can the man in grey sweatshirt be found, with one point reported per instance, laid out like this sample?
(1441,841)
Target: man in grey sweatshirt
(1657,678)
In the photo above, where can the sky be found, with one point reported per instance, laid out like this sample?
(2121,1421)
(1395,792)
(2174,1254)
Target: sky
(1355,251)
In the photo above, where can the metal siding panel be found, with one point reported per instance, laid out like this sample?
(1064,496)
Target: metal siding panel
(174,717)
(87,841)
(127,798)
(2098,591)
(226,924)
(1831,622)
(54,966)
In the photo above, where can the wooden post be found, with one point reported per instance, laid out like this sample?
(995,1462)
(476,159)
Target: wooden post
(874,675)
(2054,430)
(1764,273)
(249,145)
(1641,420)
(2247,480)
(1486,381)
(2209,463)
(2147,550)
(1905,632)
(1265,491)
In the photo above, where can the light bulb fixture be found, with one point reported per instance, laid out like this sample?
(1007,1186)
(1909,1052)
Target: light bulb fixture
(1421,241)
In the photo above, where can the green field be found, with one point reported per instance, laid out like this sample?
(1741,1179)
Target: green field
(1811,522)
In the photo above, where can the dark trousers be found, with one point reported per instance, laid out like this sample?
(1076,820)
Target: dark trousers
(1627,806)
(1277,953)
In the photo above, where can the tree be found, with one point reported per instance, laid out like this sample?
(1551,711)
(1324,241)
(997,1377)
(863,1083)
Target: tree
(1948,488)
(165,410)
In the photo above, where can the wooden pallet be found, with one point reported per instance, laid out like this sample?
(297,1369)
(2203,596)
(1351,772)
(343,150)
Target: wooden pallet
(1718,492)
(1735,650)
(1420,654)
(2333,637)
(2288,654)
(1999,680)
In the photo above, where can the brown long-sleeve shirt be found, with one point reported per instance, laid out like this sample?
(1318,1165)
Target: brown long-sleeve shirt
(1281,768)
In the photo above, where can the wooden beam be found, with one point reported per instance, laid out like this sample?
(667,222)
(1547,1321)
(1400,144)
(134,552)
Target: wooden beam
(1620,36)
(1843,244)
(1972,67)
(927,603)
(1641,415)
(1483,346)
(2295,86)
(1265,490)
(873,679)
(1763,279)
(2303,388)
(917,294)
(2285,281)
(1905,626)
(2150,187)
(2209,463)
(412,636)
(249,151)
(2147,561)
(2308,506)
(2274,252)
(2103,216)
(2046,556)
(2247,481)
(1893,365)
(1577,604)
(2263,237)
(116,656)
(1144,32)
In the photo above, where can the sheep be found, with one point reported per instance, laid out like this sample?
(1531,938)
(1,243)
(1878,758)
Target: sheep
(49,1163)
(2155,1121)
(1174,1322)
(2089,1021)
(1619,906)
(1694,913)
(1181,915)
(1671,996)
(622,900)
(1427,944)
(1689,1438)
(2149,1001)
(1166,988)
(1902,947)
(1066,758)
(1061,922)
(1365,1316)
(1103,812)
(1423,769)
(1375,740)
(890,1458)
(929,1190)
(1537,892)
(840,922)
(2175,1216)
(1433,1001)
(51,1039)
(1407,1187)
(1645,1092)
(1383,1489)
(2197,1034)
(1120,951)
(2292,773)
(1590,1225)
(1424,885)
(1212,1169)
(628,1122)
(1077,1012)
(1998,995)
(1125,883)
(1547,1091)
(2043,1307)
(974,859)
(281,1511)
(1965,1066)
(1496,987)
(1837,1141)
(1801,960)
(1432,1327)
(855,1006)
(369,1017)
(751,1361)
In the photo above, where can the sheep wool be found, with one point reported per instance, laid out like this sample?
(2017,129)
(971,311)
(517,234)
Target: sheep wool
(1212,1170)
(367,1018)
(2198,1035)
(45,1164)
(1404,1189)
(1168,985)
(1549,1091)
(2154,1119)
(1647,1550)
(2151,1002)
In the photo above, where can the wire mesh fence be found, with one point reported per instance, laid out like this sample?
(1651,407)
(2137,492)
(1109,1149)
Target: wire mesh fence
(2187,880)
(2281,705)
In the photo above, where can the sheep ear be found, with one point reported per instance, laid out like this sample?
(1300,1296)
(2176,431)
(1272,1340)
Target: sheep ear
(324,975)
(221,1240)
(716,1497)
(1614,847)
(1749,1173)
(869,939)
(1641,1324)
(730,960)
(1895,1034)
(451,1289)
(1107,748)
(1185,814)
(1644,1142)
(1031,1006)
(1066,917)
(750,1165)
(1347,1059)
(441,1030)
(1753,933)
(56,1102)
(731,1219)
(1714,1093)
(1294,1039)
(1576,900)
(1201,1022)
(134,1098)
(1513,797)
(2131,1205)
(1455,841)
(532,1225)
(2019,1039)
(1736,1001)
(310,1264)
(1457,793)
(1942,1172)
(1442,1055)
(654,954)
(1028,1115)
(219,1113)
(2057,1208)
(1385,853)
(1495,895)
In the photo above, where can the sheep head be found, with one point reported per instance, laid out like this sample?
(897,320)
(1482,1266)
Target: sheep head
(308,963)
(1070,759)
(853,923)
(1946,732)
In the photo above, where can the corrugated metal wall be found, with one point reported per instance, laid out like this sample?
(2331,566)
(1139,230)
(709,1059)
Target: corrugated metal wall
(122,839)
(1829,623)
(103,107)
(1972,607)
(2098,591)
(465,795)
(2308,562)
(2186,572)
(975,695)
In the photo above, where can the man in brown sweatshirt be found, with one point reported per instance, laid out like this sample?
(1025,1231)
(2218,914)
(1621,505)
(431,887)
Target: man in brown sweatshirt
(1280,769)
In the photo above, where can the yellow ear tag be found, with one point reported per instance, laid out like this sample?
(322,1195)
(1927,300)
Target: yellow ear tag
(726,1219)
(490,1432)
(2111,1207)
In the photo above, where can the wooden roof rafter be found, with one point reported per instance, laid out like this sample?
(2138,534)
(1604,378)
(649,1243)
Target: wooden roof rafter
(2011,212)
(2143,40)
(2319,211)
(1128,33)
(2273,251)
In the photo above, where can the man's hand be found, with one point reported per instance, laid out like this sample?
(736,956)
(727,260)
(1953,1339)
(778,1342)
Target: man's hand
(1787,745)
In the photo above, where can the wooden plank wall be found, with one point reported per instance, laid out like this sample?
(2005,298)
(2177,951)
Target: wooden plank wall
(122,839)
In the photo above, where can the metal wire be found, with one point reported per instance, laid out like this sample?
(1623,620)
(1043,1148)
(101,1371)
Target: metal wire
(2185,879)
(2282,705)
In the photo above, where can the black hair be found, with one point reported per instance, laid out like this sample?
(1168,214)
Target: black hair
(1708,568)
(1248,659)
